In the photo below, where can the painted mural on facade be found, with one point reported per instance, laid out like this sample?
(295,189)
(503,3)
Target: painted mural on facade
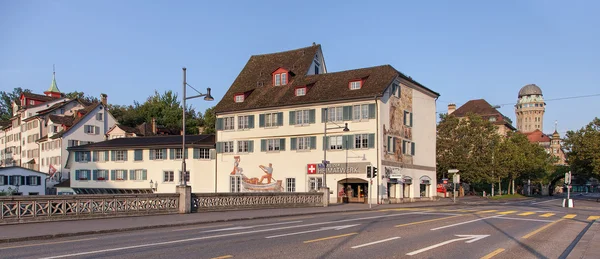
(264,183)
(396,128)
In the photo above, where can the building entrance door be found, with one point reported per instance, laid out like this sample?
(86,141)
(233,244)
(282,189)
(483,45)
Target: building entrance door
(353,190)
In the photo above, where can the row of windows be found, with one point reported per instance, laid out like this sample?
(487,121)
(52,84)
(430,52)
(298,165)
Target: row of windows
(527,105)
(50,145)
(20,180)
(408,147)
(31,153)
(33,137)
(55,160)
(29,125)
(102,175)
(339,142)
(91,129)
(138,155)
(73,143)
(314,183)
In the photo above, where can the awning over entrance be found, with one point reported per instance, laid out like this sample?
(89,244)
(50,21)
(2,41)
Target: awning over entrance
(407,180)
(425,179)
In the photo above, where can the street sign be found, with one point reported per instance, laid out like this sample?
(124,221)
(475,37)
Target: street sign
(456,178)
(445,180)
(395,176)
(567,177)
(452,171)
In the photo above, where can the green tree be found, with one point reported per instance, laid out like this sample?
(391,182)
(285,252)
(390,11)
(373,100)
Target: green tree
(6,99)
(583,150)
(208,121)
(82,96)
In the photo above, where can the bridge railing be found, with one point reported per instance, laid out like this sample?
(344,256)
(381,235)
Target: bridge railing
(236,201)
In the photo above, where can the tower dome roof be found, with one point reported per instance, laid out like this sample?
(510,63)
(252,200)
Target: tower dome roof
(530,89)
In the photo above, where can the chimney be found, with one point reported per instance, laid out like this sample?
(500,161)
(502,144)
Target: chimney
(103,99)
(154,126)
(451,108)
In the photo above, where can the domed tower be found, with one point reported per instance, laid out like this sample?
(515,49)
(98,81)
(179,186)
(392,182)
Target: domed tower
(530,109)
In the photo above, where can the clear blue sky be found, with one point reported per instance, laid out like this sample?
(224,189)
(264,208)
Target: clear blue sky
(461,49)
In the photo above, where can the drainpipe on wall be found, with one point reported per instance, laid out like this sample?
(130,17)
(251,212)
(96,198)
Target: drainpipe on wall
(378,146)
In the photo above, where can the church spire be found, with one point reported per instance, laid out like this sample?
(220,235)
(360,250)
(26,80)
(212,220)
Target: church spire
(53,90)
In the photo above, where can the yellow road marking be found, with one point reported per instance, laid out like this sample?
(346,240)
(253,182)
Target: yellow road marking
(541,229)
(425,221)
(594,217)
(223,257)
(213,226)
(486,211)
(507,212)
(331,237)
(294,218)
(49,243)
(492,254)
(570,216)
(547,215)
(526,213)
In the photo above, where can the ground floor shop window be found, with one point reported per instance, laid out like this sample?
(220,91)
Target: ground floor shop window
(425,185)
(315,183)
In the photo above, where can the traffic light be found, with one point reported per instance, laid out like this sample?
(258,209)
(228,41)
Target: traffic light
(374,171)
(369,170)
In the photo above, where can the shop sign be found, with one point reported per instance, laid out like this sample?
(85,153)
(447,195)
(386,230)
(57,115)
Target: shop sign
(340,168)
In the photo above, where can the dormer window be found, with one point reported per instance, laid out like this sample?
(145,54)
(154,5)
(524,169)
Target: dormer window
(281,79)
(355,85)
(301,91)
(492,119)
(239,98)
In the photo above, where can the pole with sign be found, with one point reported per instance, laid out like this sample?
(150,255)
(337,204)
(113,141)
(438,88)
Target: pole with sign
(455,179)
(568,202)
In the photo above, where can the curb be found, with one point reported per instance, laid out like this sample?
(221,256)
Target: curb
(118,230)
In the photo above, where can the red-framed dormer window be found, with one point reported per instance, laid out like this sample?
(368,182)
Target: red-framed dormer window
(300,91)
(239,98)
(355,84)
(280,77)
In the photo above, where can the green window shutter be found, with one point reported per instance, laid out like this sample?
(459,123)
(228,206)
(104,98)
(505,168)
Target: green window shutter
(372,111)
(280,118)
(76,177)
(145,175)
(125,155)
(394,144)
(95,156)
(219,125)
(345,141)
(151,154)
(212,154)
(106,155)
(293,143)
(263,145)
(132,174)
(313,142)
(219,147)
(403,146)
(347,113)
(282,144)
(94,175)
(251,121)
(411,120)
(125,175)
(323,114)
(113,175)
(112,155)
(77,156)
(250,146)
(404,118)
(196,153)
(138,155)
(261,120)
(350,139)
(172,154)
(311,116)
(185,153)
(292,117)
(371,140)
(164,153)
(412,148)
(325,141)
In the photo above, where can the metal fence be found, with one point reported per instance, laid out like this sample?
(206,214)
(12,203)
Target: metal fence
(234,201)
(16,209)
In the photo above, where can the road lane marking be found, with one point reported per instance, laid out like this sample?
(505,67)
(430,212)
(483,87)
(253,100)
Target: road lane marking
(593,218)
(294,218)
(315,230)
(547,215)
(223,257)
(404,209)
(216,226)
(48,243)
(331,237)
(486,211)
(526,213)
(466,222)
(222,235)
(540,229)
(543,201)
(537,220)
(376,242)
(247,227)
(492,254)
(570,216)
(507,212)
(468,238)
(426,221)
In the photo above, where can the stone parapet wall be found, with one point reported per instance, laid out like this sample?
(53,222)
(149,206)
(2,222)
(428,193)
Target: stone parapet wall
(238,201)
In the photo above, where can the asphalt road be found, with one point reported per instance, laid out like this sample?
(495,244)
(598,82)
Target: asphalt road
(531,229)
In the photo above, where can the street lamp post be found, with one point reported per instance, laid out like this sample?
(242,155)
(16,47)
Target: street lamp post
(207,97)
(325,162)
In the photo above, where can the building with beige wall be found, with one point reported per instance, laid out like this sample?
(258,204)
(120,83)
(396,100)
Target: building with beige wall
(530,109)
(271,130)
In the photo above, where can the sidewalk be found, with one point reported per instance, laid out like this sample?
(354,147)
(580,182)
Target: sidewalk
(588,247)
(49,230)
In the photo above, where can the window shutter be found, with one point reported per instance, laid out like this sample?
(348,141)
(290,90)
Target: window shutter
(371,140)
(345,139)
(311,116)
(280,118)
(94,175)
(323,114)
(219,147)
(412,148)
(151,154)
(313,142)
(164,153)
(145,175)
(39,180)
(106,156)
(132,174)
(97,130)
(372,111)
(77,156)
(261,120)
(113,175)
(293,143)
(95,156)
(250,146)
(347,113)
(404,118)
(351,141)
(251,121)
(185,153)
(125,155)
(112,155)
(325,140)
(196,153)
(76,175)
(403,147)
(219,125)
(172,154)
(212,154)
(124,175)
(263,145)
(292,117)
(282,144)
(28,180)
(411,120)
(394,139)
(5,180)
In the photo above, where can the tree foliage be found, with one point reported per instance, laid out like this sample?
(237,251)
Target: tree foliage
(583,147)
(6,99)
(82,96)
(517,158)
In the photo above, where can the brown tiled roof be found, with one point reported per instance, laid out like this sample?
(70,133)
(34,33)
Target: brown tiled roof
(61,119)
(4,124)
(64,184)
(167,141)
(42,139)
(129,129)
(484,109)
(76,120)
(537,136)
(58,105)
(39,97)
(255,81)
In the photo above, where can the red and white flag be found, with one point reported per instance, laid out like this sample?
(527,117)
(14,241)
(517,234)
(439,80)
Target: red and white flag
(51,171)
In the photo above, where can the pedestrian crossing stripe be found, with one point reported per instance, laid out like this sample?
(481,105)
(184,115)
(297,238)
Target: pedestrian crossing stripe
(487,211)
(526,213)
(507,212)
(594,218)
(547,215)
(569,216)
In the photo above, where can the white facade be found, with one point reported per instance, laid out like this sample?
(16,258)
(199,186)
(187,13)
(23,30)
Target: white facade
(22,181)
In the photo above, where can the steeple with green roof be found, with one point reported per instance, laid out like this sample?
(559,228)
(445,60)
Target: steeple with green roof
(53,90)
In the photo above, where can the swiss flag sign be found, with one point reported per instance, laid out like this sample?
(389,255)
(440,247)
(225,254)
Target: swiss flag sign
(311,169)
